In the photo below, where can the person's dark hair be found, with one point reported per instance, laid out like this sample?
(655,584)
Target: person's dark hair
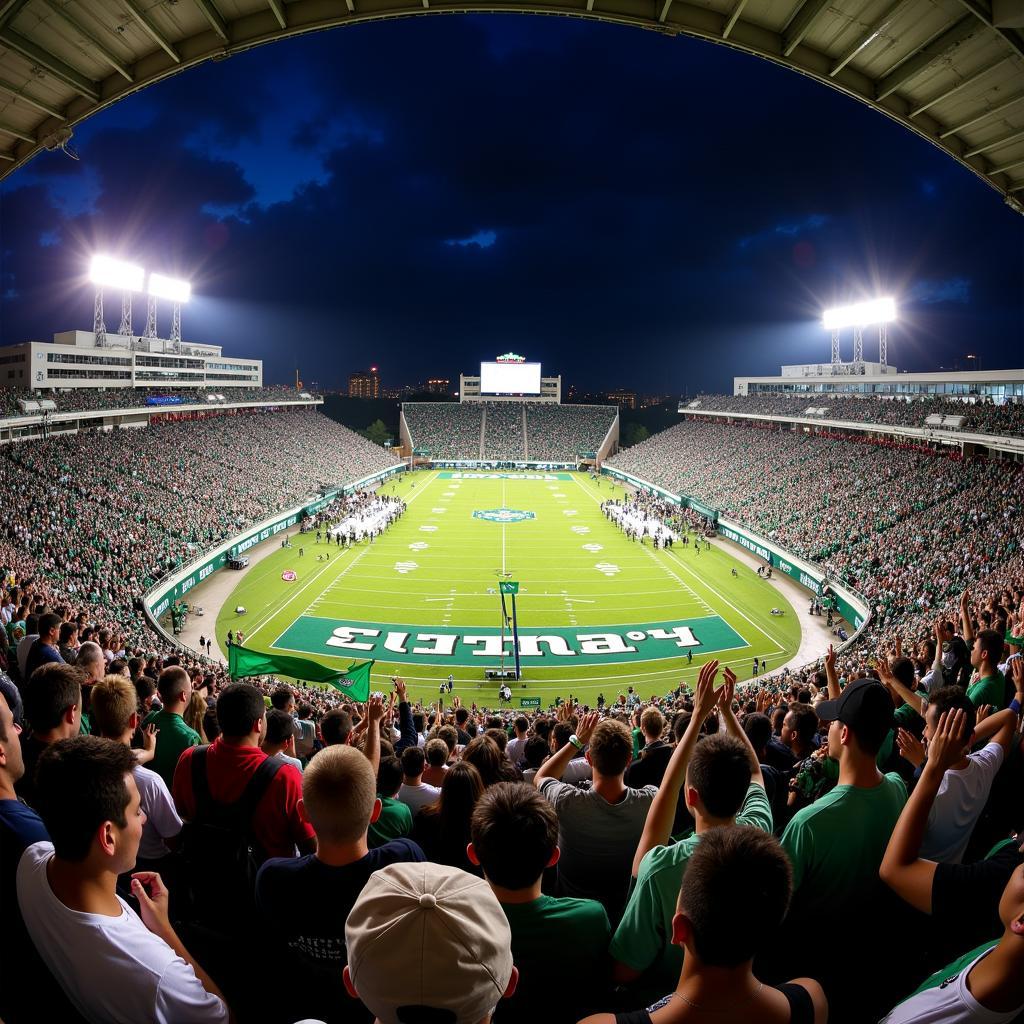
(954,698)
(335,726)
(389,776)
(804,697)
(991,642)
(280,726)
(779,716)
(67,631)
(135,667)
(542,727)
(450,737)
(680,723)
(514,831)
(413,759)
(80,783)
(280,697)
(720,772)
(611,748)
(31,624)
(304,710)
(171,682)
(494,722)
(418,722)
(48,622)
(758,728)
(461,716)
(49,692)
(903,670)
(731,923)
(562,731)
(144,687)
(499,736)
(521,723)
(484,755)
(461,789)
(535,750)
(805,723)
(238,707)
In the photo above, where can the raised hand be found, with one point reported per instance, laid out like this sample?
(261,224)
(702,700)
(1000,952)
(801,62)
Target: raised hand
(148,888)
(375,708)
(148,751)
(588,723)
(727,691)
(1017,671)
(910,747)
(983,712)
(705,698)
(946,746)
(403,696)
(830,658)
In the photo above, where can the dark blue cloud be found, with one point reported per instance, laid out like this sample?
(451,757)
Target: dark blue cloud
(629,208)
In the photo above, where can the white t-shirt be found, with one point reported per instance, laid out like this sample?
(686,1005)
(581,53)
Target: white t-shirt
(515,748)
(961,798)
(113,969)
(162,820)
(415,797)
(949,1002)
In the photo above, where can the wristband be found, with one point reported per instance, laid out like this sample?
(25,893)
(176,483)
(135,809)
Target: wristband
(576,741)
(1015,706)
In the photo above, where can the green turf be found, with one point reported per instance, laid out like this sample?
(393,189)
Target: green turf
(591,619)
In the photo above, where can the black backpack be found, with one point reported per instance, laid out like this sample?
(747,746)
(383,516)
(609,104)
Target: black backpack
(221,855)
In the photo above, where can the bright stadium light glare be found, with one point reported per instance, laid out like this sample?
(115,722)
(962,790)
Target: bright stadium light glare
(877,311)
(106,272)
(169,288)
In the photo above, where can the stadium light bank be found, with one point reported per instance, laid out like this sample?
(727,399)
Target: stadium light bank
(125,277)
(863,314)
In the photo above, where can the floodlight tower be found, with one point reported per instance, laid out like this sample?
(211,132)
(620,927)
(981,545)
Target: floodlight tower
(863,314)
(161,287)
(106,272)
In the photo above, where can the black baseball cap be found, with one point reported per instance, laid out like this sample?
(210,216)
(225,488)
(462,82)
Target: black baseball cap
(866,707)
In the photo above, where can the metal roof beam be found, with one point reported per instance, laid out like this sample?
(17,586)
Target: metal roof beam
(1006,167)
(65,72)
(17,133)
(733,18)
(887,18)
(14,91)
(9,9)
(985,17)
(149,27)
(8,156)
(954,89)
(278,9)
(800,23)
(981,117)
(664,10)
(212,15)
(925,57)
(1004,141)
(100,49)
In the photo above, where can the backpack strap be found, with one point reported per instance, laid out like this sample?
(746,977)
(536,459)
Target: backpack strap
(255,788)
(201,783)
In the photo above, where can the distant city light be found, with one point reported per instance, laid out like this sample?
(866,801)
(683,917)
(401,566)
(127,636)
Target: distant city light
(877,311)
(169,288)
(107,272)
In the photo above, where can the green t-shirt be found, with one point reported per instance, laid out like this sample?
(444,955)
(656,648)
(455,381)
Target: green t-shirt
(953,969)
(836,844)
(394,822)
(563,932)
(990,690)
(644,936)
(173,737)
(907,717)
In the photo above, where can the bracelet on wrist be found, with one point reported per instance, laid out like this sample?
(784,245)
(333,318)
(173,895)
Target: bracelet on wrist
(576,741)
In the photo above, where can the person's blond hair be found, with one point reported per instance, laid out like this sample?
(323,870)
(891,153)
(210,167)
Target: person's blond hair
(113,702)
(338,792)
(652,723)
(195,714)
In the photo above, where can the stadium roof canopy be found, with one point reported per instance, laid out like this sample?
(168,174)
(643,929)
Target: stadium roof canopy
(950,70)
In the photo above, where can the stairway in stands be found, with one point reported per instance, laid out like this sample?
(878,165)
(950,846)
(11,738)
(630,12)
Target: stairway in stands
(526,438)
(483,428)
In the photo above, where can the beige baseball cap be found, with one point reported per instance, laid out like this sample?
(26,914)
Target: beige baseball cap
(428,935)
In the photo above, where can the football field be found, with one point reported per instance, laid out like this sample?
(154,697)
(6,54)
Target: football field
(596,612)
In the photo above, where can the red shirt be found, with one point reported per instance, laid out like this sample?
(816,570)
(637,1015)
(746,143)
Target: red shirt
(229,768)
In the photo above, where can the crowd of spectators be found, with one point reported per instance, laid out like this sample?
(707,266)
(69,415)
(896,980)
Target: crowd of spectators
(495,430)
(562,432)
(101,516)
(979,415)
(840,843)
(445,430)
(93,399)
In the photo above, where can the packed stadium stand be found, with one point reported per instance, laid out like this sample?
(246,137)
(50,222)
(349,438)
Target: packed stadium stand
(92,399)
(980,417)
(512,431)
(559,432)
(446,430)
(884,517)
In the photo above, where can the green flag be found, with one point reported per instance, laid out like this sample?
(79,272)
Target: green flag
(354,681)
(508,587)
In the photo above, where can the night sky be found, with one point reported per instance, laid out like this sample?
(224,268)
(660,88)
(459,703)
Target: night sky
(631,209)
